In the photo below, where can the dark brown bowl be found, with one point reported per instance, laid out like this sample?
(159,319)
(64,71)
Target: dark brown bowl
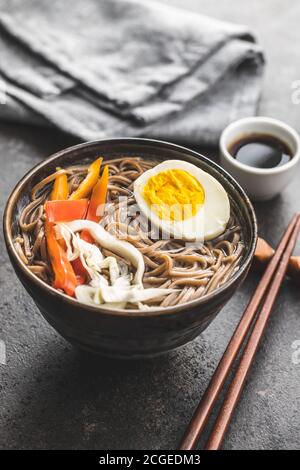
(127,333)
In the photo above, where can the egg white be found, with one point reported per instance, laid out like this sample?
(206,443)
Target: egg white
(211,219)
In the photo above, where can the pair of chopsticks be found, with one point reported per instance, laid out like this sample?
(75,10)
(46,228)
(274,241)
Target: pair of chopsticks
(259,307)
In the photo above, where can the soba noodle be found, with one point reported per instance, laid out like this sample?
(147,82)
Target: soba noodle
(193,271)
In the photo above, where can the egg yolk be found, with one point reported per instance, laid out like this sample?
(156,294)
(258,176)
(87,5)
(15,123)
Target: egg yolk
(174,195)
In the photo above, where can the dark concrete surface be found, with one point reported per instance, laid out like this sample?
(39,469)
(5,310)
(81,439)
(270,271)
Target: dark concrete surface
(52,396)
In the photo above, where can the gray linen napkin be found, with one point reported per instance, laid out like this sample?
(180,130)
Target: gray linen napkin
(126,67)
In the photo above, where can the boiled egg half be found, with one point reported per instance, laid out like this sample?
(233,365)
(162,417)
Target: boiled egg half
(183,201)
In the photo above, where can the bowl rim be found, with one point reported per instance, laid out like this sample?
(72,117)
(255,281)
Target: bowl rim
(252,170)
(131,313)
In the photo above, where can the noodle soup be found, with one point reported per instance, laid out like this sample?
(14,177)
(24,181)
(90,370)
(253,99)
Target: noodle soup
(131,233)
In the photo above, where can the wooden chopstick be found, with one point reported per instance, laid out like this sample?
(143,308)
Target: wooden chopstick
(237,383)
(213,390)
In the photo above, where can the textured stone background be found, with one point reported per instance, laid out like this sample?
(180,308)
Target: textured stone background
(53,396)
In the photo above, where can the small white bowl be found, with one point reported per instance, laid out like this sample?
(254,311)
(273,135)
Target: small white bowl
(259,183)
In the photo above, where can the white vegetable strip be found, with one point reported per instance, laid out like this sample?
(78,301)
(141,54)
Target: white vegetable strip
(114,272)
(92,259)
(113,295)
(133,294)
(86,295)
(108,241)
(99,292)
(89,254)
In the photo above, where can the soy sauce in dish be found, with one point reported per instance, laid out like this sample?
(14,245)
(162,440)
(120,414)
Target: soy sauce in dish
(261,151)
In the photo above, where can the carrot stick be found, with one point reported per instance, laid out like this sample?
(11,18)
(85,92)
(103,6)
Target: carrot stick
(97,201)
(60,189)
(89,181)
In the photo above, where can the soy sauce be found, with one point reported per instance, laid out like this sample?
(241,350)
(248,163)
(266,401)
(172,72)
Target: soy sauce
(261,151)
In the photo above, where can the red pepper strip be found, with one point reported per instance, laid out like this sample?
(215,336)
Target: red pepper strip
(97,201)
(65,211)
(64,276)
(79,270)
(86,236)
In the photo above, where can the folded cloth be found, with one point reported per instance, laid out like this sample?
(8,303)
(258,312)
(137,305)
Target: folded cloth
(103,68)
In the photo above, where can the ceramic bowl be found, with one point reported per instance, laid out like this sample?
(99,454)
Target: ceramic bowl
(127,333)
(261,184)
